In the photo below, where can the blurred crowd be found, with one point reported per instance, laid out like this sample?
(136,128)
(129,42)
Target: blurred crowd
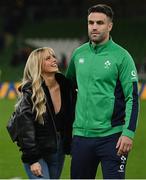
(15,12)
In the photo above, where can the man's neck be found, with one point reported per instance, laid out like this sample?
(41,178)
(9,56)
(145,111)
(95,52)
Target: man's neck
(100,43)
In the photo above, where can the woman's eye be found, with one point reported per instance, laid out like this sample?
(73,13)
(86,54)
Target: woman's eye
(48,58)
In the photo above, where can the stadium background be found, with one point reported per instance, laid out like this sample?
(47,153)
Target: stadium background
(62,25)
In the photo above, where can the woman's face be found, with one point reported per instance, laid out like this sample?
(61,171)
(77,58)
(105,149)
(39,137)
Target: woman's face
(49,64)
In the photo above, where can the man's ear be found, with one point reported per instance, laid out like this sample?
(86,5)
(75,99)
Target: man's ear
(110,26)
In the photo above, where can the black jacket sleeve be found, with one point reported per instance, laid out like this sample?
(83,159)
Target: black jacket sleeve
(26,137)
(72,94)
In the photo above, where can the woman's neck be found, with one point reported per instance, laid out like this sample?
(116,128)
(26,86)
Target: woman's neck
(50,81)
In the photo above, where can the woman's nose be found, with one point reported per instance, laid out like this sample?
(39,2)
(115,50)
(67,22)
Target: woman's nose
(54,60)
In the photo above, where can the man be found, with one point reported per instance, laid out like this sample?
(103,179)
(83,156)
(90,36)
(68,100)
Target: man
(107,101)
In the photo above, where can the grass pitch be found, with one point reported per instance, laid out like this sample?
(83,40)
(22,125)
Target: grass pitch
(11,165)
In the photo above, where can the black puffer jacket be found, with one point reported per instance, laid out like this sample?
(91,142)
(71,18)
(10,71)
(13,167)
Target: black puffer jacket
(37,140)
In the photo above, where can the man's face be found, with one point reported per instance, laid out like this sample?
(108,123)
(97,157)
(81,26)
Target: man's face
(99,26)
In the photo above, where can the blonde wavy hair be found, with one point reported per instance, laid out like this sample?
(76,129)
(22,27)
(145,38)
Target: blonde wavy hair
(32,73)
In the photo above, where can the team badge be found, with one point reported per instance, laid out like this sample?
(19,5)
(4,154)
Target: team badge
(107,64)
(81,60)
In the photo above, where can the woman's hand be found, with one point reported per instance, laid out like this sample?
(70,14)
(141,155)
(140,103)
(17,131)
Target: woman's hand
(36,169)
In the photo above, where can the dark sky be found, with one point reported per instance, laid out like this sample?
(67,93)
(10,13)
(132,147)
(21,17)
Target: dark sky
(122,8)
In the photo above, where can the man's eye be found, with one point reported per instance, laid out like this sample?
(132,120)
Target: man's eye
(90,22)
(100,22)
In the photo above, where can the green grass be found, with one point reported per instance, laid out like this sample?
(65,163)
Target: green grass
(11,165)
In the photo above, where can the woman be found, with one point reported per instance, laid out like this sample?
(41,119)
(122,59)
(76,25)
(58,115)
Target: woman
(47,107)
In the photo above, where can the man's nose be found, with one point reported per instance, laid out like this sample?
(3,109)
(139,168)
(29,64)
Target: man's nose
(95,26)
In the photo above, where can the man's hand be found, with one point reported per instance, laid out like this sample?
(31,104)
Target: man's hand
(124,145)
(36,169)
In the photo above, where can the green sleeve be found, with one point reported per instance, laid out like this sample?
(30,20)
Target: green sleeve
(129,81)
(127,71)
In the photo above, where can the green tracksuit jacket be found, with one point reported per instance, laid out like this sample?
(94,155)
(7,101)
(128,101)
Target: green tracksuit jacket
(107,100)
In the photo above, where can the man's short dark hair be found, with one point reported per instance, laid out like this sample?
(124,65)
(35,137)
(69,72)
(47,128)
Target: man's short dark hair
(102,8)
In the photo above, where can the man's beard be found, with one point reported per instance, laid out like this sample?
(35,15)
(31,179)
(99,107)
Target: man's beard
(97,40)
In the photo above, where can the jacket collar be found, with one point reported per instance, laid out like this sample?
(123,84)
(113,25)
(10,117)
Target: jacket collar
(96,48)
(28,86)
